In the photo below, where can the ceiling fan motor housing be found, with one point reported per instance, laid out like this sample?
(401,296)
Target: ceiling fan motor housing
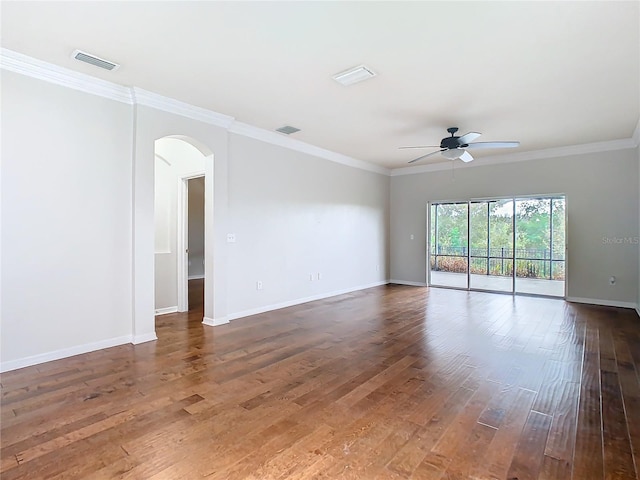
(451,142)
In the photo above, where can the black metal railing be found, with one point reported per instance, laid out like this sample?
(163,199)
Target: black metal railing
(529,262)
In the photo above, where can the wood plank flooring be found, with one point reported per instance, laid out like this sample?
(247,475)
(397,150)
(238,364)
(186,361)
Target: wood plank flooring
(392,382)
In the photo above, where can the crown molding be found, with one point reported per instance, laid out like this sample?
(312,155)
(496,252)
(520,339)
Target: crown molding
(596,147)
(32,67)
(280,139)
(171,105)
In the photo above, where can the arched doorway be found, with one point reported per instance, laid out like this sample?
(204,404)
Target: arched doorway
(180,163)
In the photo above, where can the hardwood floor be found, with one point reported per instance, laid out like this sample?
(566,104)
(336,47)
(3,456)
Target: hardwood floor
(391,382)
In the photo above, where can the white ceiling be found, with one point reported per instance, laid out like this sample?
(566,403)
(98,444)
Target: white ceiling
(548,74)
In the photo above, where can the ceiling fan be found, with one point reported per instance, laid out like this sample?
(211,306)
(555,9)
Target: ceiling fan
(456,147)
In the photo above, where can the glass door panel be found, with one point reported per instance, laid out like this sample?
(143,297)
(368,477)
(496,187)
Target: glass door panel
(494,220)
(479,243)
(558,246)
(448,246)
(540,246)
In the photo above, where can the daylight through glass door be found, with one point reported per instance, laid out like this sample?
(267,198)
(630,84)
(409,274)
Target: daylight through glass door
(492,245)
(449,240)
(513,245)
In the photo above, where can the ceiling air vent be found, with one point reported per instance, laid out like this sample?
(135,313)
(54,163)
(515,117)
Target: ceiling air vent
(354,75)
(93,60)
(287,130)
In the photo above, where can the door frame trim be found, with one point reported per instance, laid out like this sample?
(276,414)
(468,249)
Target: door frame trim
(182,257)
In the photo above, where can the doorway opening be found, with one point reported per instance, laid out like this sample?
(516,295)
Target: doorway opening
(194,243)
(511,245)
(177,164)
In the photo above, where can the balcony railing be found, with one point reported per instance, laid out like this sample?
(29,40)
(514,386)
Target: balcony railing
(530,263)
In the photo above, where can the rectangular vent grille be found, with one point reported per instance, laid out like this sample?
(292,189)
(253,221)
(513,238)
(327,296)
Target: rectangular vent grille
(354,75)
(287,130)
(93,60)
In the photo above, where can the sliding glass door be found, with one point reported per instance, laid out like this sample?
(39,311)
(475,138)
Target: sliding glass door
(513,245)
(449,255)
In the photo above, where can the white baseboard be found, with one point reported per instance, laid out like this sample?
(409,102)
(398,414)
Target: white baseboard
(638,311)
(405,282)
(195,277)
(214,322)
(143,338)
(291,303)
(165,310)
(604,303)
(63,353)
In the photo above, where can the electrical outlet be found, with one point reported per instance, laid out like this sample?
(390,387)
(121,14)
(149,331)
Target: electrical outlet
(612,280)
(231,238)
(258,285)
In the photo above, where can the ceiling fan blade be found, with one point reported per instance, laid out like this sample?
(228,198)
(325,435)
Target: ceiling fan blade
(466,157)
(493,145)
(427,155)
(468,137)
(421,146)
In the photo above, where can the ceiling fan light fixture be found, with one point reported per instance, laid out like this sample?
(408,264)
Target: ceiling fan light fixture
(453,153)
(354,75)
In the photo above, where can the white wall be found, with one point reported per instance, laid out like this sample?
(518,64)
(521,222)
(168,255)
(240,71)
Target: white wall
(66,220)
(174,160)
(602,202)
(296,215)
(196,227)
(78,224)
(78,220)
